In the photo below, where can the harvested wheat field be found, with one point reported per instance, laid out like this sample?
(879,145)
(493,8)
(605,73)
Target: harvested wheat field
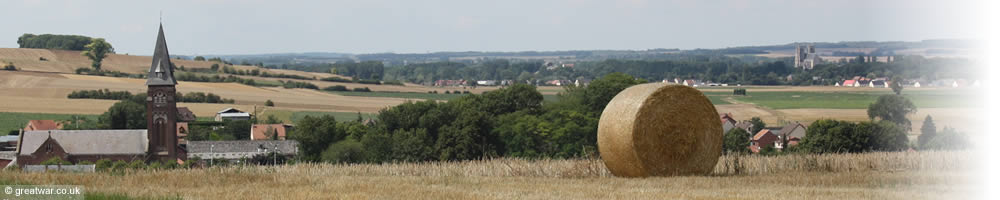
(46,93)
(890,175)
(64,61)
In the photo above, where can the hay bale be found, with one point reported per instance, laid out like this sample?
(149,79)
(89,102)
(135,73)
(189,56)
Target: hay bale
(658,129)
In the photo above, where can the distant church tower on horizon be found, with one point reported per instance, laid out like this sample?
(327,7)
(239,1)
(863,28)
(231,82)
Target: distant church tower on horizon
(161,105)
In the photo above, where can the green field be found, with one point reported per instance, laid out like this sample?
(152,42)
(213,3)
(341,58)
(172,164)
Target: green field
(340,116)
(417,95)
(13,121)
(404,95)
(855,100)
(288,116)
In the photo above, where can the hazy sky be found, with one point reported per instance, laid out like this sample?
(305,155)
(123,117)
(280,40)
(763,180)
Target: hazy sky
(409,26)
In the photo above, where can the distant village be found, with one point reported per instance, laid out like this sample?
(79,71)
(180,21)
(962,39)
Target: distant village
(805,58)
(163,141)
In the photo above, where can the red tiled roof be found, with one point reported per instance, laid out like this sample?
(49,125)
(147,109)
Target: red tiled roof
(41,125)
(849,82)
(259,131)
(761,134)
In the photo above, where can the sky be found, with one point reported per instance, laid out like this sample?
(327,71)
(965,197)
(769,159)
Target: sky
(205,27)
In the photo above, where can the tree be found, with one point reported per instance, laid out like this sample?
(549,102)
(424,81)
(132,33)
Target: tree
(949,139)
(125,114)
(269,103)
(927,132)
(832,136)
(896,85)
(597,95)
(97,50)
(892,108)
(345,151)
(736,141)
(758,124)
(315,134)
(199,58)
(215,67)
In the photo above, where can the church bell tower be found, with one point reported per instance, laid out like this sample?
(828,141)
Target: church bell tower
(161,105)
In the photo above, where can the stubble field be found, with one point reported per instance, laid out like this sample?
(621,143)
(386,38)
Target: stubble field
(891,175)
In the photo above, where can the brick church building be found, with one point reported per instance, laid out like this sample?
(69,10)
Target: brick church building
(158,142)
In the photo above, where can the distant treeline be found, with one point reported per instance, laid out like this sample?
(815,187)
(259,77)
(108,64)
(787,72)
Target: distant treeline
(372,70)
(361,81)
(92,72)
(49,41)
(296,84)
(341,88)
(216,79)
(191,97)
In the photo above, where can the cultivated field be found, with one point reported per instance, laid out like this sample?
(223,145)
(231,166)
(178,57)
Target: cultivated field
(893,175)
(43,85)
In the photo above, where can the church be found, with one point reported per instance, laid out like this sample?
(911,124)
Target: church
(158,142)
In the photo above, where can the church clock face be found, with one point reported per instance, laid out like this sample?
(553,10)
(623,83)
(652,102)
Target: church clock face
(159,100)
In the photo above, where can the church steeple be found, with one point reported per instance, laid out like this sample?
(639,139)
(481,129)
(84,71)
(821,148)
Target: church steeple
(161,72)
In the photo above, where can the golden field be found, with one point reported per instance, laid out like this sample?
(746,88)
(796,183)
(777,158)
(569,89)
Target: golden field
(884,175)
(42,87)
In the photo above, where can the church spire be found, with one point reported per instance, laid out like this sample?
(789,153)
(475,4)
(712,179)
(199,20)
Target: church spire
(161,59)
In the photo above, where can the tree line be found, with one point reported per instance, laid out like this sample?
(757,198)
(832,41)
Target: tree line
(190,97)
(511,121)
(50,41)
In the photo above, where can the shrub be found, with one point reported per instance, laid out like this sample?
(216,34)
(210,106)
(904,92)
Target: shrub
(103,164)
(56,161)
(10,67)
(336,88)
(447,92)
(336,79)
(119,165)
(85,162)
(136,164)
(368,81)
(393,82)
(457,92)
(155,165)
(365,89)
(269,103)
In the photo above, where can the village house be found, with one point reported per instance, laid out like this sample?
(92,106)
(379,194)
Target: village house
(231,114)
(269,131)
(763,139)
(746,126)
(728,123)
(41,125)
(791,134)
(185,115)
(158,142)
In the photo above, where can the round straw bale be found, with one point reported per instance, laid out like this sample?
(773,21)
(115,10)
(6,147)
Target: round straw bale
(658,129)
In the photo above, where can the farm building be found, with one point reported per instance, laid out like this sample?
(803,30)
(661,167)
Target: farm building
(81,145)
(231,114)
(41,125)
(158,141)
(9,142)
(269,131)
(240,149)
